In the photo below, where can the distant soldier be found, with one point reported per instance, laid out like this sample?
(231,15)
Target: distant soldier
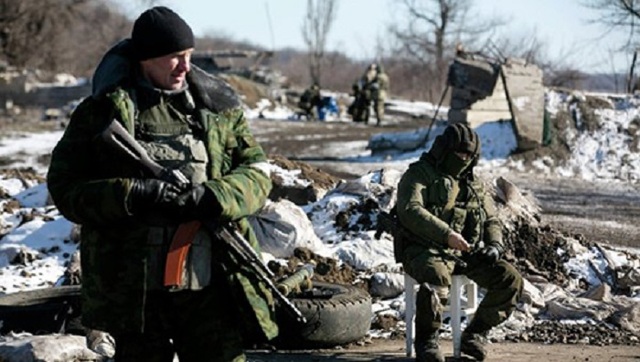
(372,87)
(379,93)
(309,101)
(359,109)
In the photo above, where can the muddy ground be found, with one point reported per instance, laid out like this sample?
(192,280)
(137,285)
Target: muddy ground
(393,350)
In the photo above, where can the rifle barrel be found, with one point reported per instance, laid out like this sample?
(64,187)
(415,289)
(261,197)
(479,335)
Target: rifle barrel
(239,246)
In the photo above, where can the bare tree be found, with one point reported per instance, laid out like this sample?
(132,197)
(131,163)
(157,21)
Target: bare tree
(315,28)
(58,35)
(620,15)
(617,15)
(429,35)
(97,29)
(558,70)
(28,26)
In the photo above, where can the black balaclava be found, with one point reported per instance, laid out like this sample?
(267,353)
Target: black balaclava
(457,137)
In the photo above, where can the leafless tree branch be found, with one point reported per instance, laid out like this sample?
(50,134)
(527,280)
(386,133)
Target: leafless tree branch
(315,29)
(431,32)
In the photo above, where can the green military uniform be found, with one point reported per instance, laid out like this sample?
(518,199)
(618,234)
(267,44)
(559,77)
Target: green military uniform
(369,92)
(437,195)
(380,92)
(201,131)
(359,108)
(309,100)
(373,86)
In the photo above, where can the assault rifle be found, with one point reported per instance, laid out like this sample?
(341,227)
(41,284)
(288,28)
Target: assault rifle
(119,139)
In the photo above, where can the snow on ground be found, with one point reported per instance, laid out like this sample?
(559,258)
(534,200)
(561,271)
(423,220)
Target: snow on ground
(607,152)
(603,154)
(43,238)
(29,147)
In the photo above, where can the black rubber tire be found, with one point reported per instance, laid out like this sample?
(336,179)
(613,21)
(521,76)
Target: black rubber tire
(336,314)
(42,311)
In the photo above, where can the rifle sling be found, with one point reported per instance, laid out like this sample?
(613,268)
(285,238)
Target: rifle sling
(178,251)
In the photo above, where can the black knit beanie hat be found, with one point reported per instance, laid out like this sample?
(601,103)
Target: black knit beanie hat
(160,31)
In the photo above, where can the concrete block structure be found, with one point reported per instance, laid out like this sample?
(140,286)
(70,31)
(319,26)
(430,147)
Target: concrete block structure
(487,91)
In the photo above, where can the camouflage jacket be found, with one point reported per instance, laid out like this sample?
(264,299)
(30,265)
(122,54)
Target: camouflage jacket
(431,204)
(88,184)
(383,86)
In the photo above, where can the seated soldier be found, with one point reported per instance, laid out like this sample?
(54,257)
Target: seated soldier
(309,101)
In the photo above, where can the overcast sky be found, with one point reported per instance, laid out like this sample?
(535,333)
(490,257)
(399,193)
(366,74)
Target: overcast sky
(564,25)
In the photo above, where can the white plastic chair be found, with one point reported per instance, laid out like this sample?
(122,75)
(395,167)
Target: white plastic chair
(455,308)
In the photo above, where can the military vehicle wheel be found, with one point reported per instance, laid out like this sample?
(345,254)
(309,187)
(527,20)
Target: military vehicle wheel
(336,314)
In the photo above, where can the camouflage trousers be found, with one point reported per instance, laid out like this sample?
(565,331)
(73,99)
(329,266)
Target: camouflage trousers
(503,284)
(378,108)
(195,325)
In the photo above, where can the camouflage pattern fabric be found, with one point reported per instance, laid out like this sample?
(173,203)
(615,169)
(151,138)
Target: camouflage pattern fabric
(381,94)
(371,89)
(89,186)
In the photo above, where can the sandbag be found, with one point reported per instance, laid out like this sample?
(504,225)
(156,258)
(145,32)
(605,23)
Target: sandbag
(281,226)
(386,285)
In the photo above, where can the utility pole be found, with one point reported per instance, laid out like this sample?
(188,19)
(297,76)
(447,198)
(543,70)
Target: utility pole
(630,81)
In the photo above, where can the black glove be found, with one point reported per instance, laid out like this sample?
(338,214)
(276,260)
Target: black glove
(149,194)
(491,253)
(153,201)
(198,202)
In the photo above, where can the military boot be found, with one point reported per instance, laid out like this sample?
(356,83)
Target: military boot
(472,344)
(428,350)
(428,322)
(473,339)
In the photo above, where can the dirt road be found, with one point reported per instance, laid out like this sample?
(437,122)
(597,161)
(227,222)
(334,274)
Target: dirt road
(393,350)
(320,142)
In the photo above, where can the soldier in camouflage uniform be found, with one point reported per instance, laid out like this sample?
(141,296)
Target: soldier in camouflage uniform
(444,210)
(379,92)
(310,101)
(372,87)
(359,108)
(187,120)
